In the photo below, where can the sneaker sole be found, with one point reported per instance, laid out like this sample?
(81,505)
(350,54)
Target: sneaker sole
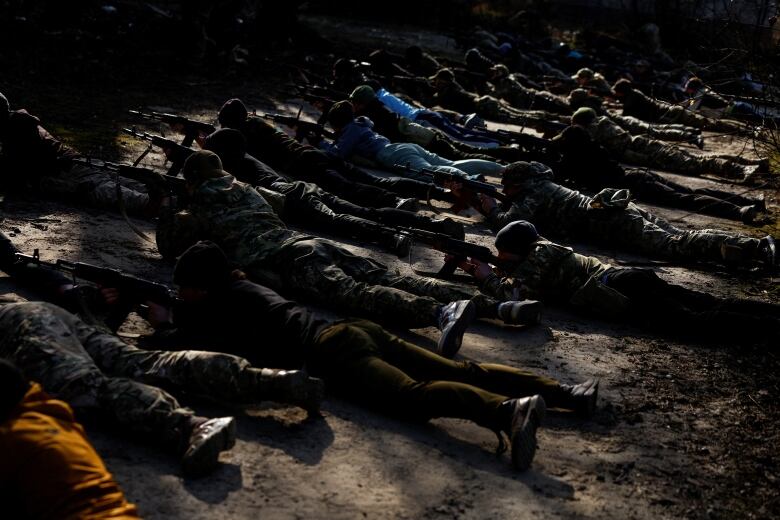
(457,329)
(524,440)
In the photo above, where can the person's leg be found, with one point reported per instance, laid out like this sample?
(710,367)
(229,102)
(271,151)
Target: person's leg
(359,193)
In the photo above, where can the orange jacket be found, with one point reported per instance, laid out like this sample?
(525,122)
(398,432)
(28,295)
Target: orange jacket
(49,468)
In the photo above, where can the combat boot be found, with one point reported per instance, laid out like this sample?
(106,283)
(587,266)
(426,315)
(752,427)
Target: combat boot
(581,398)
(748,214)
(526,312)
(289,386)
(767,248)
(207,439)
(454,319)
(525,415)
(408,205)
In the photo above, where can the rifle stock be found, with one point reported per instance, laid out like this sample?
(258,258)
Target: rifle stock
(192,129)
(175,152)
(147,176)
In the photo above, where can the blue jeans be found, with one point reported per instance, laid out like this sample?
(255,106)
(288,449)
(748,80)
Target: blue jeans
(417,157)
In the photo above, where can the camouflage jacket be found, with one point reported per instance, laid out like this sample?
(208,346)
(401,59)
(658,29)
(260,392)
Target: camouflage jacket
(455,97)
(520,96)
(608,134)
(231,214)
(551,273)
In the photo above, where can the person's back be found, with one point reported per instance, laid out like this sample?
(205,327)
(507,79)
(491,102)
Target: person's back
(385,120)
(637,104)
(50,470)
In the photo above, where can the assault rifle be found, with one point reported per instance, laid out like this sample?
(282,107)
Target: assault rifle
(174,152)
(458,250)
(318,90)
(469,186)
(302,127)
(149,177)
(189,127)
(134,289)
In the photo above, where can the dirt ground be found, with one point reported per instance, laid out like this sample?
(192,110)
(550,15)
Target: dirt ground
(683,430)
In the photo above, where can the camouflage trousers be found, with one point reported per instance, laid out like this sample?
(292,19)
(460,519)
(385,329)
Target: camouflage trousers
(681,115)
(646,233)
(320,272)
(492,109)
(96,372)
(97,188)
(664,132)
(527,99)
(656,154)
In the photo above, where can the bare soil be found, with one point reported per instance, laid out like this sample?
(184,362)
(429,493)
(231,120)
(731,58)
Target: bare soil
(683,430)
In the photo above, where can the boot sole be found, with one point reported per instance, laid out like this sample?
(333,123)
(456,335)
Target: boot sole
(524,439)
(448,348)
(206,458)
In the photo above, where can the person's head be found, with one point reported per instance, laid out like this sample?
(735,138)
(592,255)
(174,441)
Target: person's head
(361,97)
(622,87)
(343,68)
(202,268)
(13,386)
(513,177)
(583,76)
(232,114)
(583,117)
(499,71)
(341,114)
(442,78)
(414,54)
(5,108)
(572,140)
(692,86)
(202,166)
(230,145)
(580,97)
(515,240)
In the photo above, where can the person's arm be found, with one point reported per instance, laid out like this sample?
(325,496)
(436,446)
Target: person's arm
(497,215)
(344,144)
(489,282)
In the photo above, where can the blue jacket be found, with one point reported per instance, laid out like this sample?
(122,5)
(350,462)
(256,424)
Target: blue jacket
(357,138)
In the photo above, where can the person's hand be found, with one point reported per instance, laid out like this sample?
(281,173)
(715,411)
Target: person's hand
(158,315)
(480,270)
(488,204)
(110,295)
(455,187)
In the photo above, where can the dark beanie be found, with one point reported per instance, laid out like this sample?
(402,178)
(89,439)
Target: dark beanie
(204,265)
(202,165)
(13,386)
(229,144)
(232,113)
(622,86)
(341,114)
(517,237)
(573,138)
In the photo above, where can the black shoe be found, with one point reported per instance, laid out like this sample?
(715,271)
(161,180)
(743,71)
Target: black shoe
(699,142)
(401,245)
(527,416)
(760,203)
(748,214)
(454,319)
(526,312)
(206,442)
(768,251)
(582,398)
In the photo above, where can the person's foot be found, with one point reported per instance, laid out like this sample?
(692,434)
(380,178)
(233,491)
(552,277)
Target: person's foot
(760,203)
(408,205)
(401,245)
(526,312)
(527,414)
(454,319)
(767,247)
(582,398)
(451,228)
(207,440)
(699,142)
(293,387)
(748,214)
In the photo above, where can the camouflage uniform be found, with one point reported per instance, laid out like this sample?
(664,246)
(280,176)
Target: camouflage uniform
(508,88)
(644,151)
(41,161)
(609,216)
(636,103)
(664,132)
(236,217)
(96,372)
(555,274)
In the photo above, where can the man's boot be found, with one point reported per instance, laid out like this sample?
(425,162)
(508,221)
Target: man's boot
(207,439)
(289,386)
(581,398)
(524,415)
(454,319)
(525,312)
(748,214)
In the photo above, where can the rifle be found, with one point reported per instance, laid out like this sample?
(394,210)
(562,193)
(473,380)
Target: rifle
(192,129)
(147,176)
(459,249)
(135,289)
(303,127)
(175,152)
(318,90)
(469,185)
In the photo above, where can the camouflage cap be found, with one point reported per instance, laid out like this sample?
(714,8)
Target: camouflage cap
(584,73)
(341,114)
(363,94)
(500,70)
(202,165)
(583,116)
(622,86)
